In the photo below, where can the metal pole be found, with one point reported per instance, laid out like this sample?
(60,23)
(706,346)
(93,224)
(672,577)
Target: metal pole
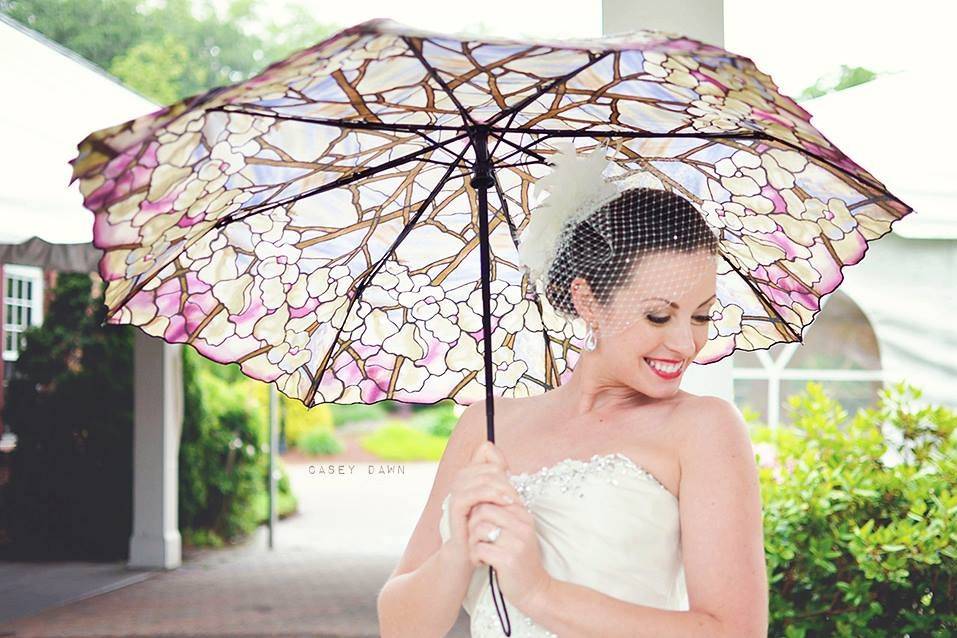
(273,463)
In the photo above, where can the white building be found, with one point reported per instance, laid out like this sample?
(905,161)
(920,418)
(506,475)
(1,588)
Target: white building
(895,315)
(58,99)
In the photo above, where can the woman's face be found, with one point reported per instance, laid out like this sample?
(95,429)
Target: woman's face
(656,324)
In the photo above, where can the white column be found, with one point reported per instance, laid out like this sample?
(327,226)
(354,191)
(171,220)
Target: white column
(702,20)
(157,424)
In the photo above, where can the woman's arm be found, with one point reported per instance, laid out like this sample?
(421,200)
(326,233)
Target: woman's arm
(571,610)
(722,540)
(424,593)
(426,601)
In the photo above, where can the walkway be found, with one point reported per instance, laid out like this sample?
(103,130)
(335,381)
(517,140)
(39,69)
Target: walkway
(321,580)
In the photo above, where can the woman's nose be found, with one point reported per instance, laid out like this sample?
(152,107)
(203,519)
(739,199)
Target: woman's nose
(681,340)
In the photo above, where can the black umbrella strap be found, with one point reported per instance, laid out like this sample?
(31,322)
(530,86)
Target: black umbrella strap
(493,583)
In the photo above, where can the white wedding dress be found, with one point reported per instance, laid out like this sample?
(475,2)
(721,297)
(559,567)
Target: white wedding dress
(605,523)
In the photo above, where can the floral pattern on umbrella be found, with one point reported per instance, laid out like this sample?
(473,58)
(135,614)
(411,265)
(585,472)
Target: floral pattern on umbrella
(316,223)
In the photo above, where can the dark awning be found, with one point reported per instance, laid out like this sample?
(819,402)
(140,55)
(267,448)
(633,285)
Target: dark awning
(82,257)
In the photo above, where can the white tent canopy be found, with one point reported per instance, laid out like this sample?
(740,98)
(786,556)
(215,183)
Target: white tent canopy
(892,128)
(905,284)
(55,98)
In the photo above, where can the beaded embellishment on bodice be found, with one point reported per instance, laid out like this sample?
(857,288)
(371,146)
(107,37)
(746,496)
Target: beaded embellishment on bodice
(605,523)
(568,473)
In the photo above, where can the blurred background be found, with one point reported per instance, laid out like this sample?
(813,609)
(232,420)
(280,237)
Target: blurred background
(876,77)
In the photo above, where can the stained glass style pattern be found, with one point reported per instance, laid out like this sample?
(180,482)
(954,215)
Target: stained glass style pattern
(316,223)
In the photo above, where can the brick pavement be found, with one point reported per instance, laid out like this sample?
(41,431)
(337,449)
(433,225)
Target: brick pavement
(321,580)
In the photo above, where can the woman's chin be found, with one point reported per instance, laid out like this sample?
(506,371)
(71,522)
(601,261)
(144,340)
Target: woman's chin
(657,390)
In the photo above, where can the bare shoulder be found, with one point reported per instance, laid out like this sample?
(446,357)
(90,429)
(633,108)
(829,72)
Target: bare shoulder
(705,420)
(469,431)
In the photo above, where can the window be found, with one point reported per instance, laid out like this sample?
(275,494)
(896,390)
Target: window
(22,305)
(840,351)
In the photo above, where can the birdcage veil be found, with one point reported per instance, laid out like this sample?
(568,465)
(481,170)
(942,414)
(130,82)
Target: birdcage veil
(610,247)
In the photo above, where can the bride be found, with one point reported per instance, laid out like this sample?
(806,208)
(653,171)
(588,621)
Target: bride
(615,504)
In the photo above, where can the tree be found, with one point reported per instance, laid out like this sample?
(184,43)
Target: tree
(175,49)
(843,79)
(70,402)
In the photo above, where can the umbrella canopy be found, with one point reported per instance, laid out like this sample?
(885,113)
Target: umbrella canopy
(323,223)
(327,224)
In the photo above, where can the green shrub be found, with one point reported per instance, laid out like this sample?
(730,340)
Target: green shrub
(70,402)
(223,457)
(858,545)
(320,441)
(397,441)
(360,412)
(298,420)
(438,419)
(201,538)
(287,500)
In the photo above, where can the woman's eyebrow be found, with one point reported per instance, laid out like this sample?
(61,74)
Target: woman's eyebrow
(675,306)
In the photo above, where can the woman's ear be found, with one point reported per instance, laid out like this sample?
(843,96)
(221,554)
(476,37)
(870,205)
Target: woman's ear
(586,305)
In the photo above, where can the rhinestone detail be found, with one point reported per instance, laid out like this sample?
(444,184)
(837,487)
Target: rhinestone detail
(568,474)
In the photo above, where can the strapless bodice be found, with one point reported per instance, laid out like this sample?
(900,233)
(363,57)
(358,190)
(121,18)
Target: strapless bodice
(605,523)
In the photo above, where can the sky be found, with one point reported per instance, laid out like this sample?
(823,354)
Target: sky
(794,42)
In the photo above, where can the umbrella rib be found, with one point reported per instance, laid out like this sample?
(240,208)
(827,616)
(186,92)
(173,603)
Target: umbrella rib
(542,90)
(548,133)
(502,200)
(466,116)
(518,164)
(743,135)
(412,128)
(499,139)
(224,221)
(391,128)
(343,181)
(764,302)
(760,135)
(632,134)
(522,149)
(866,181)
(378,126)
(321,369)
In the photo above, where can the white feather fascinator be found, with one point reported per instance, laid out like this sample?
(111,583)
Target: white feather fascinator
(576,188)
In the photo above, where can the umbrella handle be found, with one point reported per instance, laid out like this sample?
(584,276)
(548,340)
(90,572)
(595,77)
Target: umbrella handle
(482,180)
(493,585)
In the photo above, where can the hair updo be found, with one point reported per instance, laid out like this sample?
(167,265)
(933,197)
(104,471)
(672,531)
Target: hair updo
(605,247)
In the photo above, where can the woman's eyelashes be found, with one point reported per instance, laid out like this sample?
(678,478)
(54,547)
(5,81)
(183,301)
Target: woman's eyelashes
(664,319)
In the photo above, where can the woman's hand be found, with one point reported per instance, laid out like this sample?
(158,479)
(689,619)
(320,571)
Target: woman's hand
(482,480)
(515,554)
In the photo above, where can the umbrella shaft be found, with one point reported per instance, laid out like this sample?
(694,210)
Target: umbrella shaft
(481,181)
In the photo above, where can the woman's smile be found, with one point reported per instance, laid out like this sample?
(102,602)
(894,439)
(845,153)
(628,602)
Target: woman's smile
(663,370)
